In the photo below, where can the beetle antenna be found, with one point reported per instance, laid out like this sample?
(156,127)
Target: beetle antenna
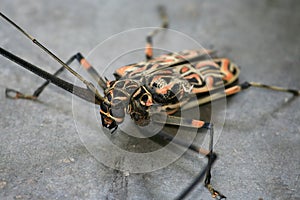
(89,85)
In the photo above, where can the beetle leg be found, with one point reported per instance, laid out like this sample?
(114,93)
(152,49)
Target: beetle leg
(179,121)
(275,88)
(206,171)
(215,96)
(208,185)
(87,94)
(14,94)
(165,24)
(233,90)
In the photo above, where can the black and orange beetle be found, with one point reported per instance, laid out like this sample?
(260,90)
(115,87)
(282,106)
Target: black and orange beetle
(143,90)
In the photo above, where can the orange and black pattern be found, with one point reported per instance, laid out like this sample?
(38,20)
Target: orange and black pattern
(167,80)
(194,66)
(171,78)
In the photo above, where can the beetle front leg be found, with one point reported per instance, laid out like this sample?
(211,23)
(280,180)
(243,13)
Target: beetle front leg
(14,94)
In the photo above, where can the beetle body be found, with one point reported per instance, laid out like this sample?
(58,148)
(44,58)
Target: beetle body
(168,81)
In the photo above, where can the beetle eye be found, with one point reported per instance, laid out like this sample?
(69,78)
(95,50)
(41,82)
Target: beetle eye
(144,98)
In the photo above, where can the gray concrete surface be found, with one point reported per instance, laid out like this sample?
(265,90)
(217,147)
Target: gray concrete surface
(42,157)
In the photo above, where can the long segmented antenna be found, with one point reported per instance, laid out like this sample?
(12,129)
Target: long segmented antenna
(89,85)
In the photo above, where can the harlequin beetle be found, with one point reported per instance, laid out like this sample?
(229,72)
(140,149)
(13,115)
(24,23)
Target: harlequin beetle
(145,89)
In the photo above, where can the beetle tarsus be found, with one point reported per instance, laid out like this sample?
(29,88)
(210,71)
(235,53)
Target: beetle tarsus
(214,193)
(14,94)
